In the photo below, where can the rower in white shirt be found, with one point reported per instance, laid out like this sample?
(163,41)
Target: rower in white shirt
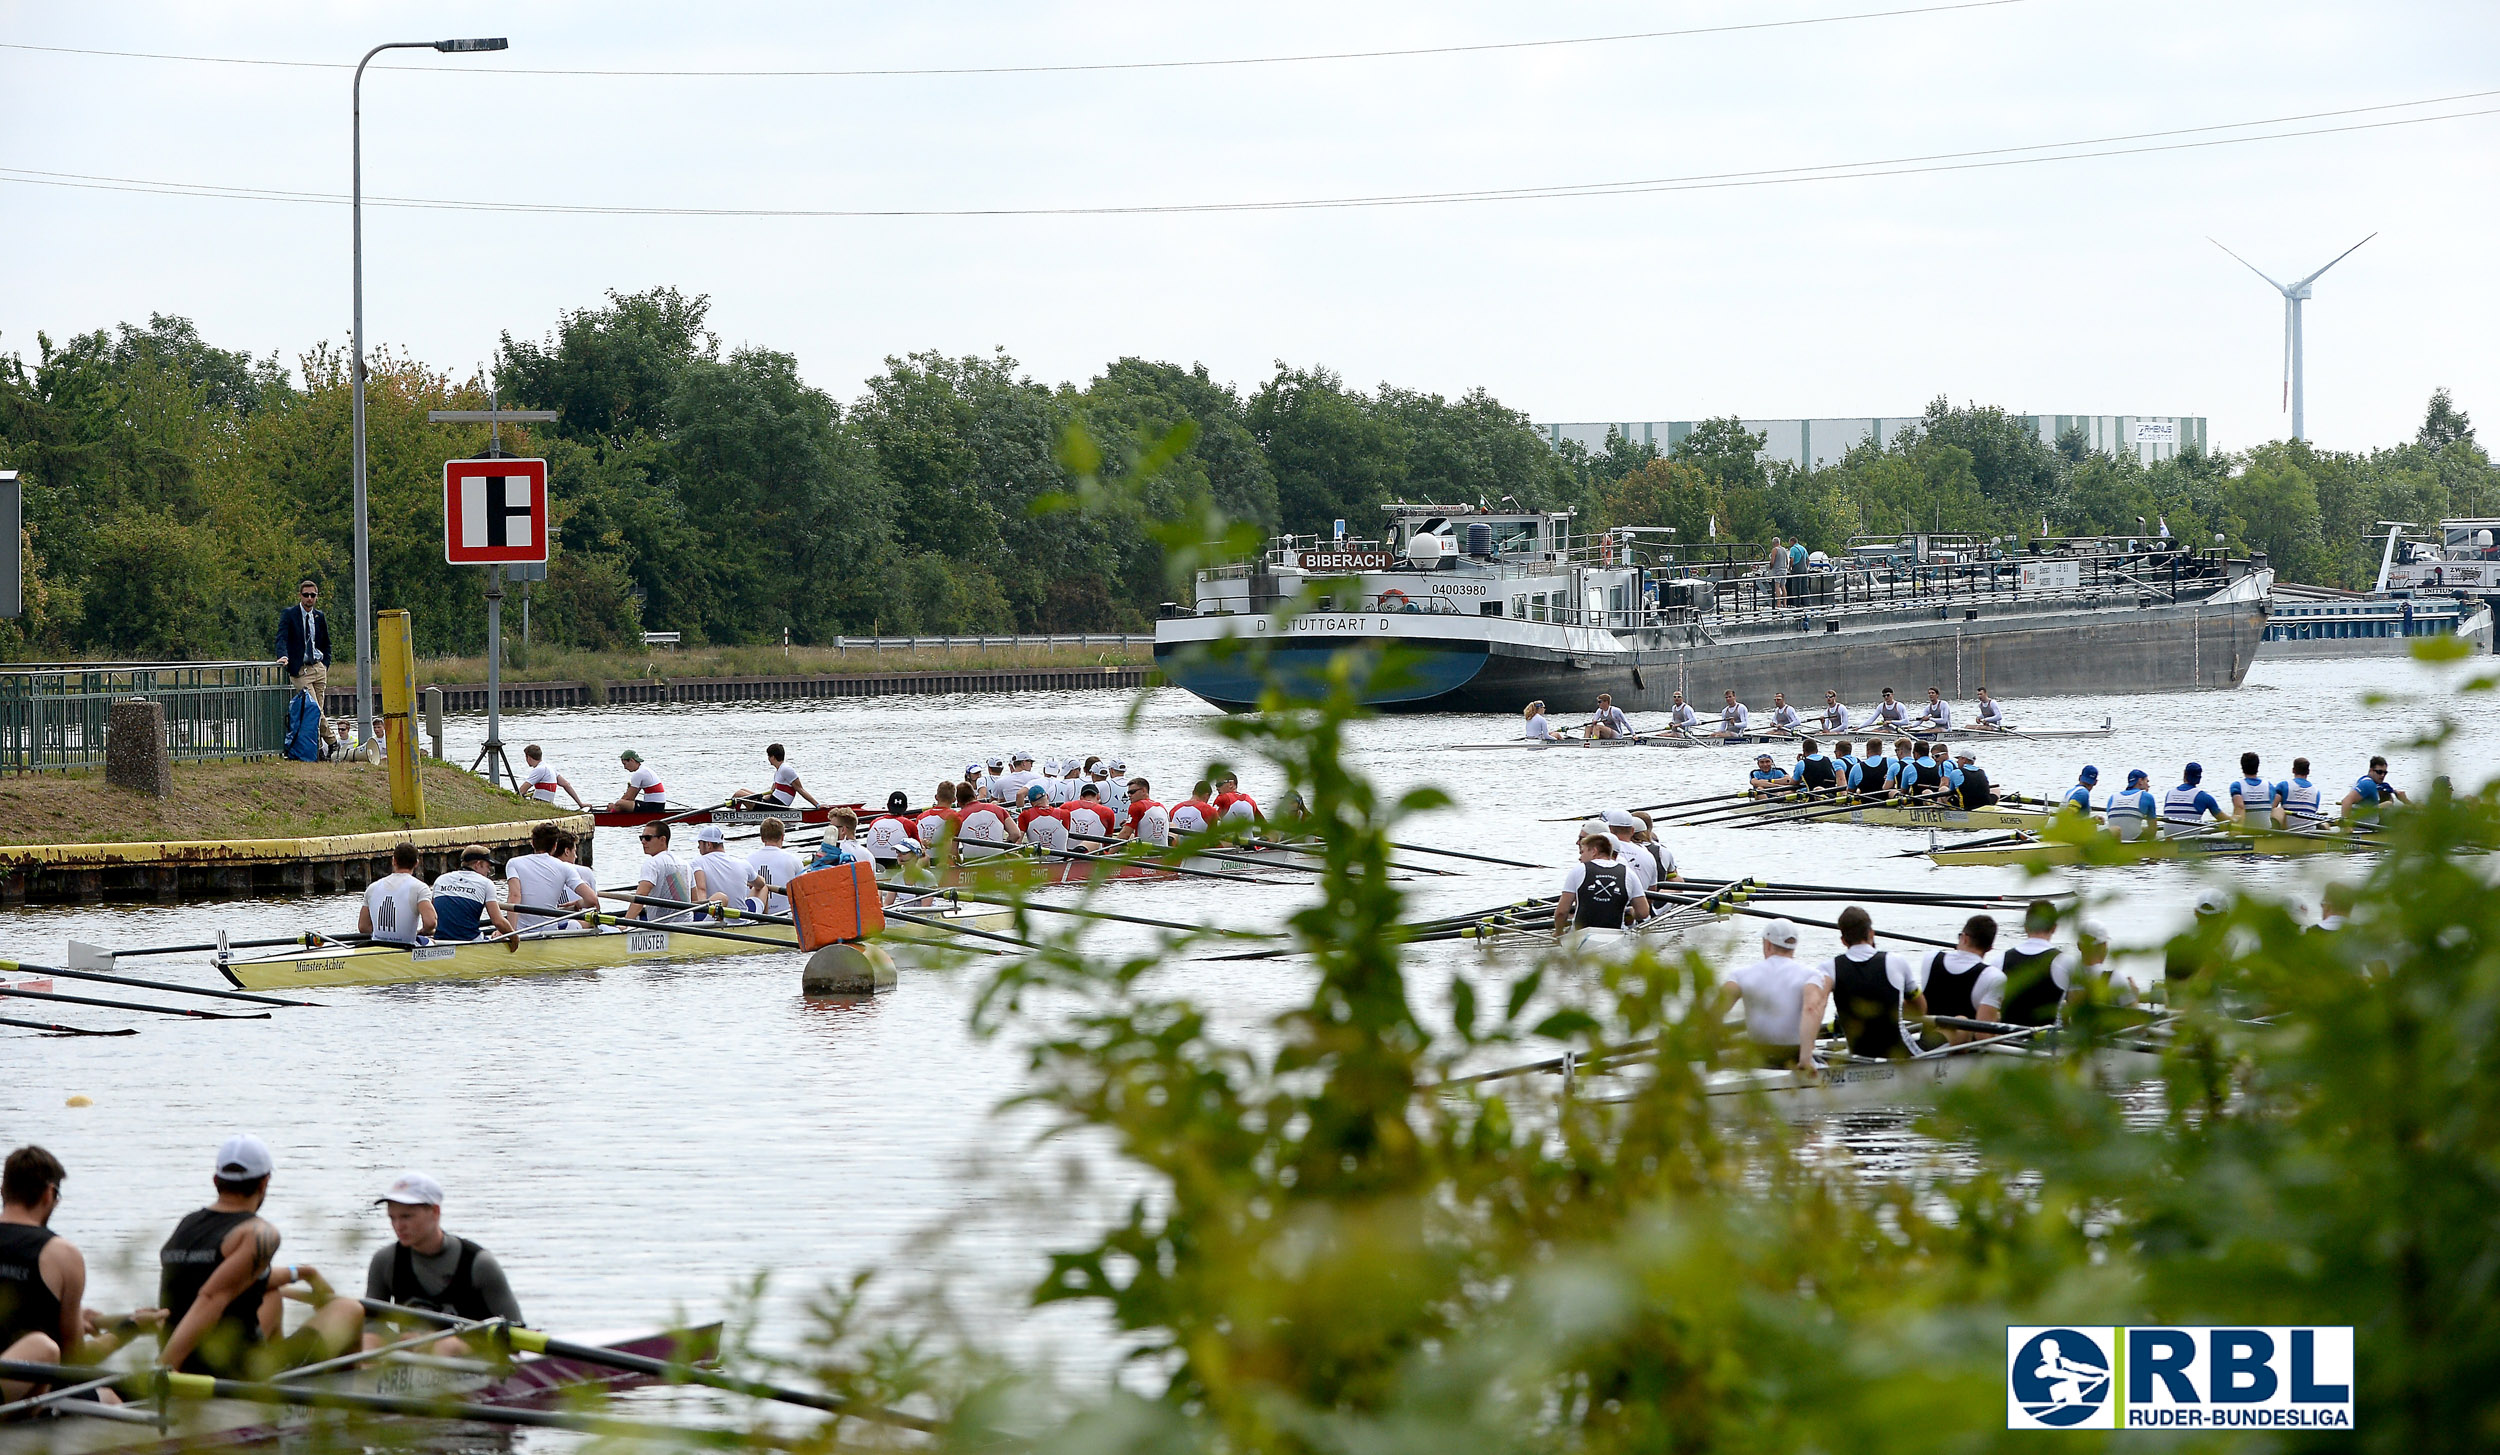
(786,788)
(644,792)
(1608,721)
(1991,713)
(1784,1001)
(720,877)
(1783,716)
(773,867)
(1734,720)
(1937,715)
(541,782)
(1537,729)
(1681,716)
(542,881)
(1890,710)
(1835,714)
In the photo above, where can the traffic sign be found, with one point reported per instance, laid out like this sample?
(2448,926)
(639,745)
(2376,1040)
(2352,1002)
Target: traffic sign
(494,511)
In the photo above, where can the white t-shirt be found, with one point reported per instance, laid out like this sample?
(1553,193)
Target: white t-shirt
(785,784)
(1539,728)
(1636,866)
(540,783)
(392,900)
(465,884)
(1010,786)
(2062,972)
(722,873)
(646,784)
(1154,826)
(540,879)
(887,837)
(776,867)
(1907,973)
(1239,810)
(1775,997)
(667,876)
(1064,790)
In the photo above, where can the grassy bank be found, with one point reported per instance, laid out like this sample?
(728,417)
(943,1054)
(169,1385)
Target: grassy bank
(269,800)
(541,664)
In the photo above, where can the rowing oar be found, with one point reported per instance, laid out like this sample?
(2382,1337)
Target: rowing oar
(2019,836)
(1649,807)
(202,1386)
(594,919)
(1149,863)
(1126,919)
(204,1015)
(1479,858)
(50,1029)
(295,940)
(533,1342)
(1306,851)
(130,982)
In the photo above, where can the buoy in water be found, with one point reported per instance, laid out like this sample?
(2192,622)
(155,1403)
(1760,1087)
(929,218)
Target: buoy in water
(80,1101)
(848,969)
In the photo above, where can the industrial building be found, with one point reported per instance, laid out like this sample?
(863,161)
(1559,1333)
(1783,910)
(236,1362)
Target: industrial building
(1823,441)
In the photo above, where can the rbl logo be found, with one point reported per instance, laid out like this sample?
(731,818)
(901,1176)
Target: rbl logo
(2178,1378)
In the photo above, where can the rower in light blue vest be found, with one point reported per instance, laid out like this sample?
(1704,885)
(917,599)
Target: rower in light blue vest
(2304,807)
(1874,769)
(2186,807)
(2131,809)
(1845,766)
(2079,797)
(2252,797)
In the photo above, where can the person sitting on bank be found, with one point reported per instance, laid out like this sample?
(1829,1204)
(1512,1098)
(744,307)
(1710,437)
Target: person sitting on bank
(304,650)
(224,1296)
(43,1279)
(465,902)
(398,908)
(427,1268)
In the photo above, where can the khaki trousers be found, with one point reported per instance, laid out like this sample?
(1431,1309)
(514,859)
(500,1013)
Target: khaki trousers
(315,678)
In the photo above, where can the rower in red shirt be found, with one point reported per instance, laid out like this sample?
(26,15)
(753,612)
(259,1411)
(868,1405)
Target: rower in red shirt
(936,824)
(1194,814)
(986,823)
(1089,817)
(1044,825)
(1140,803)
(1232,804)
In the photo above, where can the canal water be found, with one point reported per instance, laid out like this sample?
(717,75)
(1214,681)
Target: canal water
(643,1142)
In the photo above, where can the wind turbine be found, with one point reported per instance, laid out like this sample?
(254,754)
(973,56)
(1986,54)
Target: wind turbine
(2294,295)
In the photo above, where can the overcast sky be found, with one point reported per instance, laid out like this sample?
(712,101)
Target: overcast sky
(2082,286)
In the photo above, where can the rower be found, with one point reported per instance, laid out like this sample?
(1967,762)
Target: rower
(541,782)
(221,1293)
(2371,790)
(1904,767)
(1194,815)
(427,1268)
(1600,892)
(772,866)
(1784,717)
(542,881)
(1991,713)
(1890,710)
(720,877)
(1538,729)
(2185,807)
(1654,849)
(2302,806)
(1140,803)
(1020,776)
(1784,1001)
(1937,715)
(398,908)
(1870,989)
(465,896)
(1951,984)
(1835,713)
(989,823)
(1845,766)
(1043,824)
(663,876)
(1971,785)
(1090,817)
(2250,791)
(2132,810)
(2334,907)
(2033,977)
(835,848)
(1734,721)
(786,789)
(569,854)
(1645,868)
(891,835)
(936,823)
(1234,806)
(644,792)
(1815,773)
(989,784)
(1680,715)
(1766,779)
(1063,788)
(1922,776)
(973,776)
(43,1278)
(2078,799)
(1874,776)
(1608,721)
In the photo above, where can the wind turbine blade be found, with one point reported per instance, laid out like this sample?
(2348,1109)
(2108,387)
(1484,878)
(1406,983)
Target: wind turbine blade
(2339,257)
(2252,267)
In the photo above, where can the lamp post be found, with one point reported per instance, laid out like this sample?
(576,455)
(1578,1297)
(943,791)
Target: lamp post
(356,377)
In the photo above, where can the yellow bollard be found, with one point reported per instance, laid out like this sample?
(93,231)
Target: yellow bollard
(395,671)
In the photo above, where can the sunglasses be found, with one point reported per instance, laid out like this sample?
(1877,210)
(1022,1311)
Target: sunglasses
(650,838)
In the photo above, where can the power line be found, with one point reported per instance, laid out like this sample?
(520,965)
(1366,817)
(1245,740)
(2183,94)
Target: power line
(1996,157)
(865,73)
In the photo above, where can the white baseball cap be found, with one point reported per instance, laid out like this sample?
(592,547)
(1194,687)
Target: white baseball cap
(712,833)
(413,1189)
(1621,818)
(243,1156)
(1023,755)
(1780,932)
(1595,828)
(997,763)
(972,770)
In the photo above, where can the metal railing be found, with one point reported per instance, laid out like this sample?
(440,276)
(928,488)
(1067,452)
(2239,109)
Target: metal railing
(1073,639)
(52,714)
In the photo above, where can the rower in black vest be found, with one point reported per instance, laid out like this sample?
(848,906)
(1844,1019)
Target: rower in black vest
(185,1263)
(1930,777)
(1816,773)
(1952,979)
(425,1267)
(1977,791)
(458,1296)
(1597,892)
(43,1279)
(220,1291)
(1868,990)
(2032,993)
(27,1303)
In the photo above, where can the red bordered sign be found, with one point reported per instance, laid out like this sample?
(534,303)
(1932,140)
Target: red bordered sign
(494,512)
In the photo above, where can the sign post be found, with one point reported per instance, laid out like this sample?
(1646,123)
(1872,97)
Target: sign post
(494,515)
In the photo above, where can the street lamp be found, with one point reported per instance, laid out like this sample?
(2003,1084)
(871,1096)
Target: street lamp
(356,378)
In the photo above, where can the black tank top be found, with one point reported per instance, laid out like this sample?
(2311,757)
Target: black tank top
(27,1304)
(1949,993)
(1869,1006)
(1817,773)
(2031,993)
(459,1294)
(187,1260)
(1977,791)
(1928,776)
(1602,898)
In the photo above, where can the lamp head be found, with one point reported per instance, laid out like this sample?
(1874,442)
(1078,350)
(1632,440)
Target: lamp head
(483,43)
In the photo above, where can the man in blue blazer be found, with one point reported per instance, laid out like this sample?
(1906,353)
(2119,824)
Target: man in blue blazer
(304,649)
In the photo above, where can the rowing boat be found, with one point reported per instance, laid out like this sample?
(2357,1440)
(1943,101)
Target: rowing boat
(1664,738)
(1004,865)
(85,1427)
(1937,816)
(2102,847)
(634,818)
(558,950)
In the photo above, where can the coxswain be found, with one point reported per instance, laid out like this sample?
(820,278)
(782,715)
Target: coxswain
(1600,892)
(541,881)
(1951,985)
(1937,715)
(398,908)
(2078,799)
(1890,710)
(1971,783)
(427,1268)
(2186,807)
(1815,773)
(1608,721)
(786,788)
(1234,806)
(973,776)
(1835,714)
(1871,988)
(644,792)
(1538,728)
(2252,794)
(222,1293)
(1680,715)
(465,902)
(541,782)
(2371,790)
(891,834)
(720,877)
(1089,817)
(1195,814)
(2033,977)
(772,866)
(1734,721)
(43,1279)
(1766,780)
(662,876)
(1043,823)
(2132,811)
(990,823)
(1991,713)
(1784,1001)
(2303,806)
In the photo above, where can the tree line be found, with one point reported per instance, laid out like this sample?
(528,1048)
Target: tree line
(176,490)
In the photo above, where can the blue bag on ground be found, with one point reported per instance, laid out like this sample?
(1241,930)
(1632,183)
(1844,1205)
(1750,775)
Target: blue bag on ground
(303,728)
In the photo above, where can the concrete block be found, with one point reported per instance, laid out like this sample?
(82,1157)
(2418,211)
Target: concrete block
(848,970)
(134,748)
